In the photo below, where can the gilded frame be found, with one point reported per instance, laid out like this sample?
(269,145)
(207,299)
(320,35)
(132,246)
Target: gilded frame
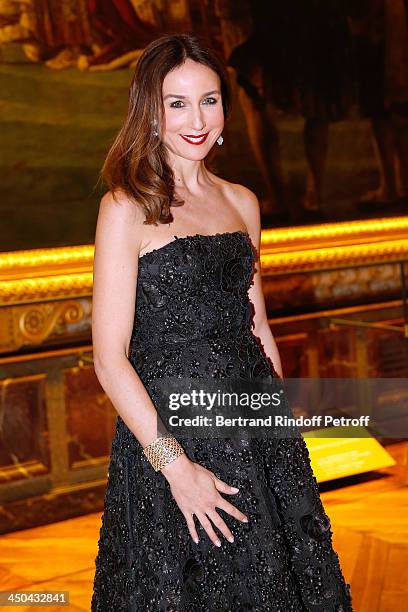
(39,275)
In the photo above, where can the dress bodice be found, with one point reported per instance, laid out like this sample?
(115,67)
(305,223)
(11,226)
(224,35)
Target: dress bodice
(195,288)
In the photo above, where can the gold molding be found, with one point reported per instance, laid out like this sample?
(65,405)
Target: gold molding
(283,239)
(46,262)
(36,322)
(332,245)
(45,288)
(59,273)
(48,321)
(329,258)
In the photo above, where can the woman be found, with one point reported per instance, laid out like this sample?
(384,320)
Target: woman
(209,524)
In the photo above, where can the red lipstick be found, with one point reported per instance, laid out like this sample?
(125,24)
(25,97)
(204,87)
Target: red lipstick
(196,140)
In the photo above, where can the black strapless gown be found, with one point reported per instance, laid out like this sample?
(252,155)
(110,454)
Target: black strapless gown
(194,319)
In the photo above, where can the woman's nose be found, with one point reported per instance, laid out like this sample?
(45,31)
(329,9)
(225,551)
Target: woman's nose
(198,121)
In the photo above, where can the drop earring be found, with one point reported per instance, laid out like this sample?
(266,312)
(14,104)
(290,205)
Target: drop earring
(220,140)
(155,132)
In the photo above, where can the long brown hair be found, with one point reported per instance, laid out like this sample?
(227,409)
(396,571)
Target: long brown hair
(136,162)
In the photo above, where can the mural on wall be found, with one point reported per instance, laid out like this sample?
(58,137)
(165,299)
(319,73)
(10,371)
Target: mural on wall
(321,105)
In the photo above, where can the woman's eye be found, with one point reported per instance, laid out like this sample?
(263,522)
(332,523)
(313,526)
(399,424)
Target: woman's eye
(180,104)
(173,104)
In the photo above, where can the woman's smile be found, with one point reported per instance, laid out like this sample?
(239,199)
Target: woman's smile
(196,140)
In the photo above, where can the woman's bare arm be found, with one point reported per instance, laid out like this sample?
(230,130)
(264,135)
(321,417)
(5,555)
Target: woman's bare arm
(117,245)
(250,212)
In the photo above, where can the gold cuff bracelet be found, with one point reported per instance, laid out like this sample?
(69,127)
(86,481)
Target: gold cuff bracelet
(162,451)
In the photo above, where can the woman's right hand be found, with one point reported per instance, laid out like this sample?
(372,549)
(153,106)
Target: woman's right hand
(197,491)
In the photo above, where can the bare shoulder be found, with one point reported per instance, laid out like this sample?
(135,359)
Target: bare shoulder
(246,204)
(119,206)
(245,196)
(120,218)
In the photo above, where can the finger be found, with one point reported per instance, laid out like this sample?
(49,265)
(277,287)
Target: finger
(191,526)
(220,523)
(231,509)
(209,528)
(224,487)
